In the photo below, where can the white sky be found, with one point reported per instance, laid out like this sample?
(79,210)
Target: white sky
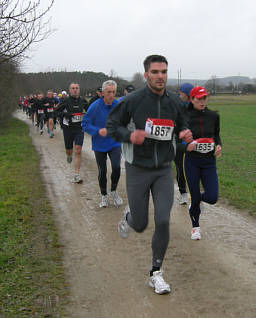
(201,37)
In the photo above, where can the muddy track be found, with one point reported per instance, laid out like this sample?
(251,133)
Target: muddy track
(108,276)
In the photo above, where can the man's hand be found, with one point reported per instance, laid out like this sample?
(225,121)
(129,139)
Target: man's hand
(103,132)
(137,137)
(217,151)
(186,135)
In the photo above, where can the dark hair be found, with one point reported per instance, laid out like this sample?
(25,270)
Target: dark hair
(152,59)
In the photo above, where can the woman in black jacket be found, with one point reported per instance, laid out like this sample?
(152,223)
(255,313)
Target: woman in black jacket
(200,157)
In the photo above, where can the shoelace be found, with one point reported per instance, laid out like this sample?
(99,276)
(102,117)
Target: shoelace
(160,281)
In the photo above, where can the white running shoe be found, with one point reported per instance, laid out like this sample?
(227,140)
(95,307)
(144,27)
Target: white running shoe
(183,199)
(158,283)
(69,159)
(195,233)
(77,178)
(104,201)
(123,226)
(117,200)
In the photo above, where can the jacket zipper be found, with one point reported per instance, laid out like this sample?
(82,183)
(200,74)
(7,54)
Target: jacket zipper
(155,145)
(201,126)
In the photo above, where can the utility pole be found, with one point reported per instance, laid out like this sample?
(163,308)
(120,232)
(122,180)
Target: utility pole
(179,77)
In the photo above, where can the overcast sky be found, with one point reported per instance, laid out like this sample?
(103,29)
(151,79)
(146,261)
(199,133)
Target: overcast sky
(201,37)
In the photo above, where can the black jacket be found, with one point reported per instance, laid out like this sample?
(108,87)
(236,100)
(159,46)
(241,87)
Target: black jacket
(203,124)
(69,109)
(132,112)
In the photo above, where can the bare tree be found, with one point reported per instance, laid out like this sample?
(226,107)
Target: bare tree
(113,74)
(21,24)
(138,80)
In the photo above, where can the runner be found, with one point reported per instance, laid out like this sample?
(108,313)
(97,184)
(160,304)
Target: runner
(145,122)
(185,89)
(128,89)
(96,96)
(200,157)
(25,104)
(40,109)
(94,123)
(33,109)
(57,101)
(49,102)
(71,111)
(64,95)
(29,107)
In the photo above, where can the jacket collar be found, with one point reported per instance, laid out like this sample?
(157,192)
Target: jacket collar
(154,95)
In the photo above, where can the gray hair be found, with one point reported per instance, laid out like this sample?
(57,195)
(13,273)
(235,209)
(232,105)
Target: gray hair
(109,83)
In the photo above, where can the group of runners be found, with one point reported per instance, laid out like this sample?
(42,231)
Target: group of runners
(150,128)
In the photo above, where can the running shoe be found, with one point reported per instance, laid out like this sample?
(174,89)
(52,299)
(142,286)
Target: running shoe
(195,233)
(51,135)
(69,159)
(183,199)
(77,178)
(117,200)
(104,201)
(41,131)
(123,226)
(158,283)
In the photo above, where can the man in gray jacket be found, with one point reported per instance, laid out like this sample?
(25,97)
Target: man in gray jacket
(146,122)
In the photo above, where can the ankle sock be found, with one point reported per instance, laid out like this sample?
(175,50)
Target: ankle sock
(154,269)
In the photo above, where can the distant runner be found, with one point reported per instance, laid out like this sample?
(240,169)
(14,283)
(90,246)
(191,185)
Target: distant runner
(40,110)
(49,102)
(71,110)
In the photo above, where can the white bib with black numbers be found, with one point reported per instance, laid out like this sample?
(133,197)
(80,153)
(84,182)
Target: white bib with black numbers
(159,129)
(77,117)
(204,145)
(40,111)
(50,110)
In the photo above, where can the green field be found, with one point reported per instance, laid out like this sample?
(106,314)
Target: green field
(237,166)
(31,271)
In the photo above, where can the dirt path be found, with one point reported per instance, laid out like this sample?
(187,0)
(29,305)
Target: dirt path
(108,276)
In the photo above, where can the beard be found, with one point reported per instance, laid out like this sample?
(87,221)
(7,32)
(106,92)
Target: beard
(155,86)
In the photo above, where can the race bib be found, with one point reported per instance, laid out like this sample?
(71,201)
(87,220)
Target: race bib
(77,117)
(159,129)
(204,145)
(49,110)
(40,111)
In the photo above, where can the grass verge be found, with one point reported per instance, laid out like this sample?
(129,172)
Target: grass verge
(31,270)
(237,166)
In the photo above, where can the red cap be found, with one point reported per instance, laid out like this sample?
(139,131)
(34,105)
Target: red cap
(198,92)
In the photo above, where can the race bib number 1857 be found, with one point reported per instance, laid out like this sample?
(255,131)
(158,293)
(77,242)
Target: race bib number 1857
(159,129)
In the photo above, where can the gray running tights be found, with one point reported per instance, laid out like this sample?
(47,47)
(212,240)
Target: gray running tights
(140,182)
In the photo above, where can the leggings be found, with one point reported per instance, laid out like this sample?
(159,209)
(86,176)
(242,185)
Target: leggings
(140,182)
(40,120)
(180,171)
(115,159)
(201,169)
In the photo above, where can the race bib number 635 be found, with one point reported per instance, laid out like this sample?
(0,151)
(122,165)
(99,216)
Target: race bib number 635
(204,145)
(159,129)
